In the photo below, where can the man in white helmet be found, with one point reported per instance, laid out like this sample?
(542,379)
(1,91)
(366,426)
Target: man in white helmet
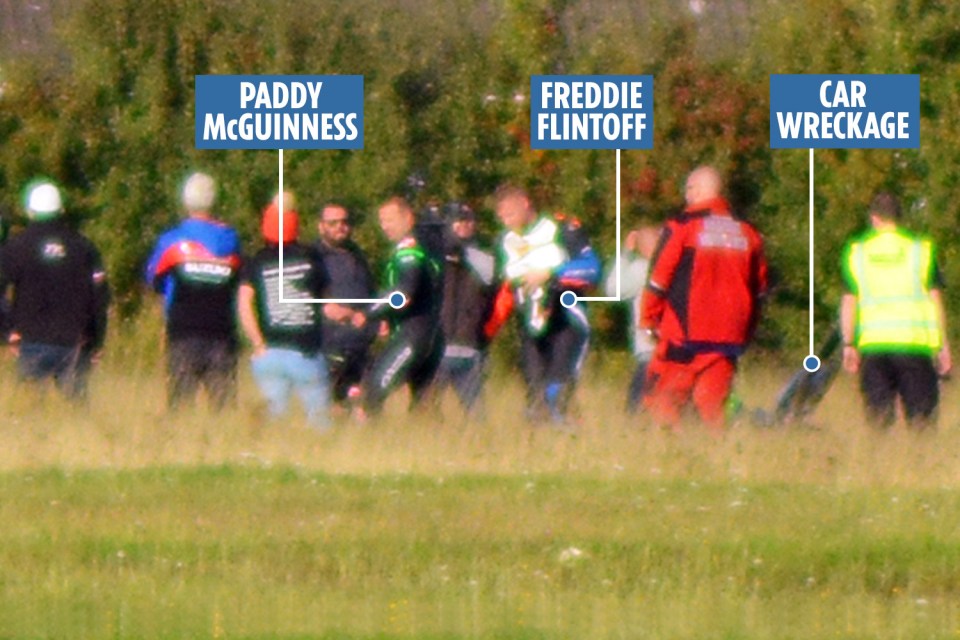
(60,295)
(196,267)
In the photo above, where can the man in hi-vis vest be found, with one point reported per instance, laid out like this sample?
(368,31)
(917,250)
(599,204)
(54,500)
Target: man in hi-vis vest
(892,318)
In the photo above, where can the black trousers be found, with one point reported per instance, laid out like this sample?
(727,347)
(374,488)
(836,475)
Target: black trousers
(912,378)
(551,364)
(194,362)
(412,356)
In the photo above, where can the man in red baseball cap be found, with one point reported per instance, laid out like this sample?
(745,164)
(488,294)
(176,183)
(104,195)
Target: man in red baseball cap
(286,336)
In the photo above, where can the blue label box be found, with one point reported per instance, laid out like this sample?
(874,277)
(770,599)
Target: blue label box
(844,111)
(591,112)
(279,112)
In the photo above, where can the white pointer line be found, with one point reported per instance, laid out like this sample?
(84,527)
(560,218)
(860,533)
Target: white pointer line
(617,297)
(811,252)
(812,362)
(311,300)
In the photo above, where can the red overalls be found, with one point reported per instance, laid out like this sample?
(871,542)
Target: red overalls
(702,300)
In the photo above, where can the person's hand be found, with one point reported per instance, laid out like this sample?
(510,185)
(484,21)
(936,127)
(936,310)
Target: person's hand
(632,242)
(944,362)
(358,319)
(536,279)
(96,357)
(384,329)
(13,341)
(258,350)
(851,359)
(337,312)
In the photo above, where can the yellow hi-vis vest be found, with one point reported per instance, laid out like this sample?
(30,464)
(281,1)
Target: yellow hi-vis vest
(894,309)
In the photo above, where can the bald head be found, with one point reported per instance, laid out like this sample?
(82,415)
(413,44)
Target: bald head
(704,183)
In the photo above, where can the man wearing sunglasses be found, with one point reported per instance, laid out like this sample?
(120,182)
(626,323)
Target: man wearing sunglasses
(346,348)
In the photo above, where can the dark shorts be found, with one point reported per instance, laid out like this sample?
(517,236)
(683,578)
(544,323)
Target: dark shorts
(194,362)
(912,378)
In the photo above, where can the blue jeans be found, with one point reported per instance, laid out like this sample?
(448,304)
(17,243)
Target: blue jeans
(279,372)
(68,366)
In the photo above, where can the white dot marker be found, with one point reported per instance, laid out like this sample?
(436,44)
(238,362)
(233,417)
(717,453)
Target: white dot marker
(568,299)
(397,299)
(811,363)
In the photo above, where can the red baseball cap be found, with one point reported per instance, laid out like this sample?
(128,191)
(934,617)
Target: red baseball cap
(271,224)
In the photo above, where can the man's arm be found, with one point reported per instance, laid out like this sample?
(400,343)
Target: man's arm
(633,270)
(409,267)
(101,302)
(501,310)
(246,297)
(848,329)
(663,265)
(502,301)
(848,310)
(152,271)
(944,359)
(935,284)
(760,285)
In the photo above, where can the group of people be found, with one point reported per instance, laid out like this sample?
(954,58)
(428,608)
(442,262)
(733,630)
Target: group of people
(695,287)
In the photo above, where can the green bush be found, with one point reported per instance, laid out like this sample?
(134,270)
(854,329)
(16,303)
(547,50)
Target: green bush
(106,108)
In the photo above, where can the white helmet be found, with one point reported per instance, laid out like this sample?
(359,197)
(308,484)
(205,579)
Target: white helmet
(199,192)
(43,201)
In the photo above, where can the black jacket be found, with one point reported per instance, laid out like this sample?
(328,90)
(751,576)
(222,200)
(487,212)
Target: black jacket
(468,294)
(60,292)
(348,276)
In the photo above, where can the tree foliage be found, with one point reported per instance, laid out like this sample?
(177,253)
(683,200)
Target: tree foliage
(106,108)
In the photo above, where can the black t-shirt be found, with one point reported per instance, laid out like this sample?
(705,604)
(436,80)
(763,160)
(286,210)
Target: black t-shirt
(59,284)
(288,325)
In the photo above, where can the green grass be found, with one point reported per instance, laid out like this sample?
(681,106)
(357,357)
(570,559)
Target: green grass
(242,551)
(122,521)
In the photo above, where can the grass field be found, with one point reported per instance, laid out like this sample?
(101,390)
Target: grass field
(122,521)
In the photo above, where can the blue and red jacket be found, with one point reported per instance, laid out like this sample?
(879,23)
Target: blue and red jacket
(196,267)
